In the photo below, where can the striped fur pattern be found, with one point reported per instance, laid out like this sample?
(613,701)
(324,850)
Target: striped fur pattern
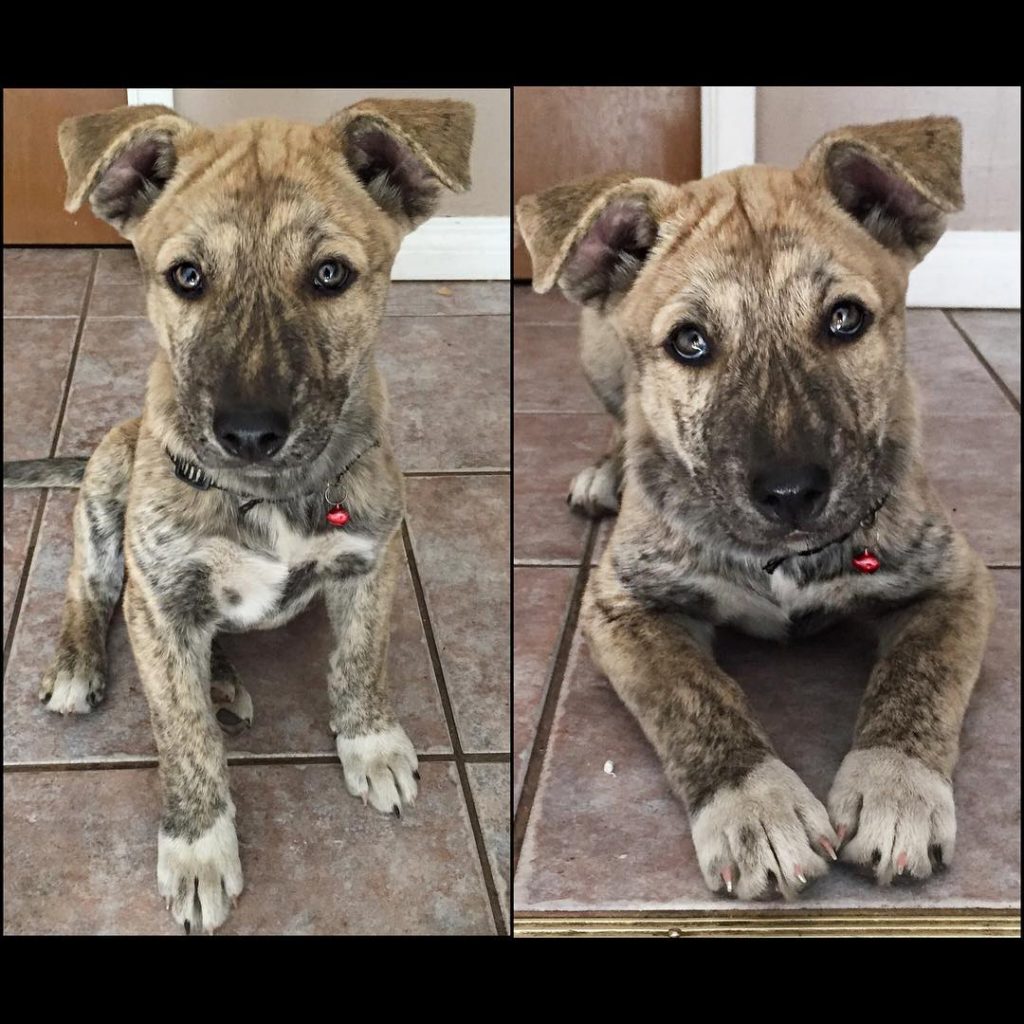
(756,258)
(257,207)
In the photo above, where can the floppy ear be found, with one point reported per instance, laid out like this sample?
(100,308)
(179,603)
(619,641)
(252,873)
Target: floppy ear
(120,160)
(898,179)
(591,237)
(403,151)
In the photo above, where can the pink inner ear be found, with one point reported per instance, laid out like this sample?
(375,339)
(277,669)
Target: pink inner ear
(872,183)
(625,225)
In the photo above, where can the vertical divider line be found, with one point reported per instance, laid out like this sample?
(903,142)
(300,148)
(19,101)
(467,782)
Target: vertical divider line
(538,753)
(460,761)
(58,428)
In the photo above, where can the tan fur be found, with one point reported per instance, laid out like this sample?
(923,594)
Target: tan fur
(757,258)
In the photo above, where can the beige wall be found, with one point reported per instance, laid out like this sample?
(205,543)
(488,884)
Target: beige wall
(790,118)
(489,195)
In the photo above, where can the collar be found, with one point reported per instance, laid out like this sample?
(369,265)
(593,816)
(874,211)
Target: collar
(865,523)
(195,476)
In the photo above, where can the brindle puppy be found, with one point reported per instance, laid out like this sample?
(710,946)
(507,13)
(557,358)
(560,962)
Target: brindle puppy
(266,249)
(747,334)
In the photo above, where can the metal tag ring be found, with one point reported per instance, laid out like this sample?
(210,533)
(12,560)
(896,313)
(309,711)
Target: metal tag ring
(327,495)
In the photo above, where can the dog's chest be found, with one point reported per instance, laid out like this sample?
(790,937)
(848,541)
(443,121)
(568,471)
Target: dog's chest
(273,576)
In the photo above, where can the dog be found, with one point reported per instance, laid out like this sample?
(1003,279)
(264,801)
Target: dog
(746,333)
(261,472)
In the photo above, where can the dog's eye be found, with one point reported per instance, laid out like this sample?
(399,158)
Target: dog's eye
(687,344)
(332,275)
(847,320)
(186,279)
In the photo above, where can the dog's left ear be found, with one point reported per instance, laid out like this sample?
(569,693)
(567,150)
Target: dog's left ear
(404,151)
(898,179)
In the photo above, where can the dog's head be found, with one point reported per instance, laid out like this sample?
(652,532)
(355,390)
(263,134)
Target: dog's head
(266,249)
(763,310)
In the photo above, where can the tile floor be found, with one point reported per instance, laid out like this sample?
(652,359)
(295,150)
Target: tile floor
(80,796)
(587,841)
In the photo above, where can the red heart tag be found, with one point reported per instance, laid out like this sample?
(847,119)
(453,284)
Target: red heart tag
(866,562)
(337,516)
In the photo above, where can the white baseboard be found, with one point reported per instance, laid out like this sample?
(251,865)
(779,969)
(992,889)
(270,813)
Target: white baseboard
(140,97)
(969,270)
(456,249)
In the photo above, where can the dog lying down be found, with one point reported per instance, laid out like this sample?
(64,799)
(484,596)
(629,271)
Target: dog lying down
(746,334)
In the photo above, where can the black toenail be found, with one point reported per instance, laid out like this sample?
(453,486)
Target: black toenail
(396,811)
(876,858)
(936,851)
(46,697)
(226,717)
(188,928)
(416,776)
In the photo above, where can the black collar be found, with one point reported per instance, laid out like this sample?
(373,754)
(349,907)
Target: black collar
(865,522)
(195,476)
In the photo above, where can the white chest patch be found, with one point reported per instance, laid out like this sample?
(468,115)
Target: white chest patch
(248,586)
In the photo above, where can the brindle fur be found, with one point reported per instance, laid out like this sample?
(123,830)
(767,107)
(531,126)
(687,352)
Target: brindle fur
(756,256)
(257,205)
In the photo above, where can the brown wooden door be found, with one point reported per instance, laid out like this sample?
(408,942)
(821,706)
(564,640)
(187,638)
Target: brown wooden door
(34,183)
(561,133)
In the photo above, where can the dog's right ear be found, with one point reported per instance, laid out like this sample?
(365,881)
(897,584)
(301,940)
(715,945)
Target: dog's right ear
(120,160)
(591,237)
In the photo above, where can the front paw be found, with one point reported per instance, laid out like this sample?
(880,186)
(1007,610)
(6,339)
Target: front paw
(201,880)
(380,767)
(768,832)
(595,490)
(894,814)
(75,690)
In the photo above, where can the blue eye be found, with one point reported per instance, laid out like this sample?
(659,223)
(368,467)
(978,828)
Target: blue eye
(332,275)
(687,344)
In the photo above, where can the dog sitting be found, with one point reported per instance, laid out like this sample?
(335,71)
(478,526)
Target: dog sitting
(261,472)
(746,333)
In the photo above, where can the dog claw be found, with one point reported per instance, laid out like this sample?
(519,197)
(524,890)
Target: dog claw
(800,876)
(901,863)
(396,811)
(829,848)
(727,878)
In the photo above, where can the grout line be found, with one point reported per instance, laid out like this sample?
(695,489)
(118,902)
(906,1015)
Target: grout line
(540,563)
(37,525)
(1008,394)
(456,472)
(449,715)
(42,316)
(542,735)
(1015,568)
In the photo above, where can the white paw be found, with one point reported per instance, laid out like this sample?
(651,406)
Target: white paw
(380,767)
(72,694)
(201,880)
(894,814)
(594,491)
(769,825)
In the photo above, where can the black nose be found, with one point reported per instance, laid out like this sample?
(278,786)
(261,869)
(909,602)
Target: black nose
(791,494)
(251,434)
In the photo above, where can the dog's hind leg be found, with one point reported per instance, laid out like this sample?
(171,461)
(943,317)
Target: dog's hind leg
(76,680)
(595,490)
(230,698)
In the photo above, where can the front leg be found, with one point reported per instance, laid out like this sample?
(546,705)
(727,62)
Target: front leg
(198,868)
(754,824)
(377,757)
(892,799)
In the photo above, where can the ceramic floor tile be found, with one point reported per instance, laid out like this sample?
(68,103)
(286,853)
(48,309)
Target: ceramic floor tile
(548,373)
(80,856)
(20,509)
(971,437)
(550,449)
(118,289)
(489,783)
(996,334)
(37,355)
(448,383)
(284,671)
(448,298)
(46,282)
(551,308)
(604,842)
(109,385)
(540,604)
(459,531)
